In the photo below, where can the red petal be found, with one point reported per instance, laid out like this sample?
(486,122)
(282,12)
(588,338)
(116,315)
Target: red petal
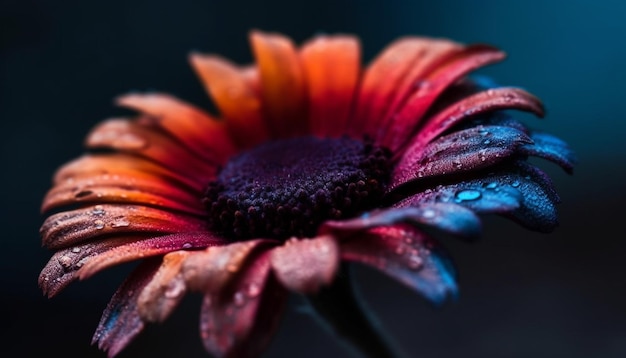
(430,87)
(240,320)
(387,79)
(232,92)
(282,84)
(120,322)
(479,103)
(306,265)
(332,69)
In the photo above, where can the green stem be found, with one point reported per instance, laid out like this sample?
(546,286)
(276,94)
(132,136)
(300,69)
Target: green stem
(345,314)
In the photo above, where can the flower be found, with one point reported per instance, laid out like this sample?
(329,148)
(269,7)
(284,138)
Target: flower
(314,161)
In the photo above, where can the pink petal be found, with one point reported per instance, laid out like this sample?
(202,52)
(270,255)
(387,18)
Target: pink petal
(305,265)
(165,290)
(120,322)
(240,320)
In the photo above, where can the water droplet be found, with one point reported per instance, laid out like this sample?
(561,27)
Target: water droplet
(76,250)
(65,261)
(486,142)
(98,210)
(420,173)
(99,224)
(121,222)
(239,299)
(187,245)
(468,195)
(429,213)
(415,262)
(253,290)
(515,184)
(175,288)
(491,185)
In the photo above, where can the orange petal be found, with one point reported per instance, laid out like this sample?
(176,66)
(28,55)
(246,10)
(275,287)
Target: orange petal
(165,290)
(123,165)
(132,137)
(236,99)
(332,69)
(282,84)
(304,266)
(108,188)
(71,227)
(190,125)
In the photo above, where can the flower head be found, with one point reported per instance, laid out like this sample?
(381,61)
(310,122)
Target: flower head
(314,160)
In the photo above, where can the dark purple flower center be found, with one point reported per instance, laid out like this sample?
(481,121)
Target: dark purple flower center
(288,187)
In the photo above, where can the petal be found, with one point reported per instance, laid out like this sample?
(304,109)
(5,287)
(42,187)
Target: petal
(120,322)
(190,125)
(479,103)
(406,254)
(141,189)
(332,68)
(442,74)
(450,218)
(240,320)
(210,270)
(521,192)
(237,100)
(551,148)
(282,83)
(139,249)
(305,265)
(132,137)
(464,150)
(75,226)
(93,165)
(387,79)
(165,290)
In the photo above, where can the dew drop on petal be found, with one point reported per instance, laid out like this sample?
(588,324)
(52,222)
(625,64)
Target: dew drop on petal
(486,142)
(491,185)
(515,184)
(99,224)
(239,298)
(428,213)
(121,222)
(253,290)
(98,210)
(468,195)
(76,250)
(65,261)
(415,262)
(186,245)
(174,289)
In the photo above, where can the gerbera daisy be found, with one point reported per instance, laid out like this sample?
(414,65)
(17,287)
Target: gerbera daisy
(314,162)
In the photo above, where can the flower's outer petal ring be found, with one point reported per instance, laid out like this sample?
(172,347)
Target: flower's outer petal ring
(408,255)
(332,68)
(306,265)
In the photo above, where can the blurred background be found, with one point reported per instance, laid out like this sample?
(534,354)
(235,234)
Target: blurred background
(522,294)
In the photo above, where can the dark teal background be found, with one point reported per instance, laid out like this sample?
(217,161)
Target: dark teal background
(523,294)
